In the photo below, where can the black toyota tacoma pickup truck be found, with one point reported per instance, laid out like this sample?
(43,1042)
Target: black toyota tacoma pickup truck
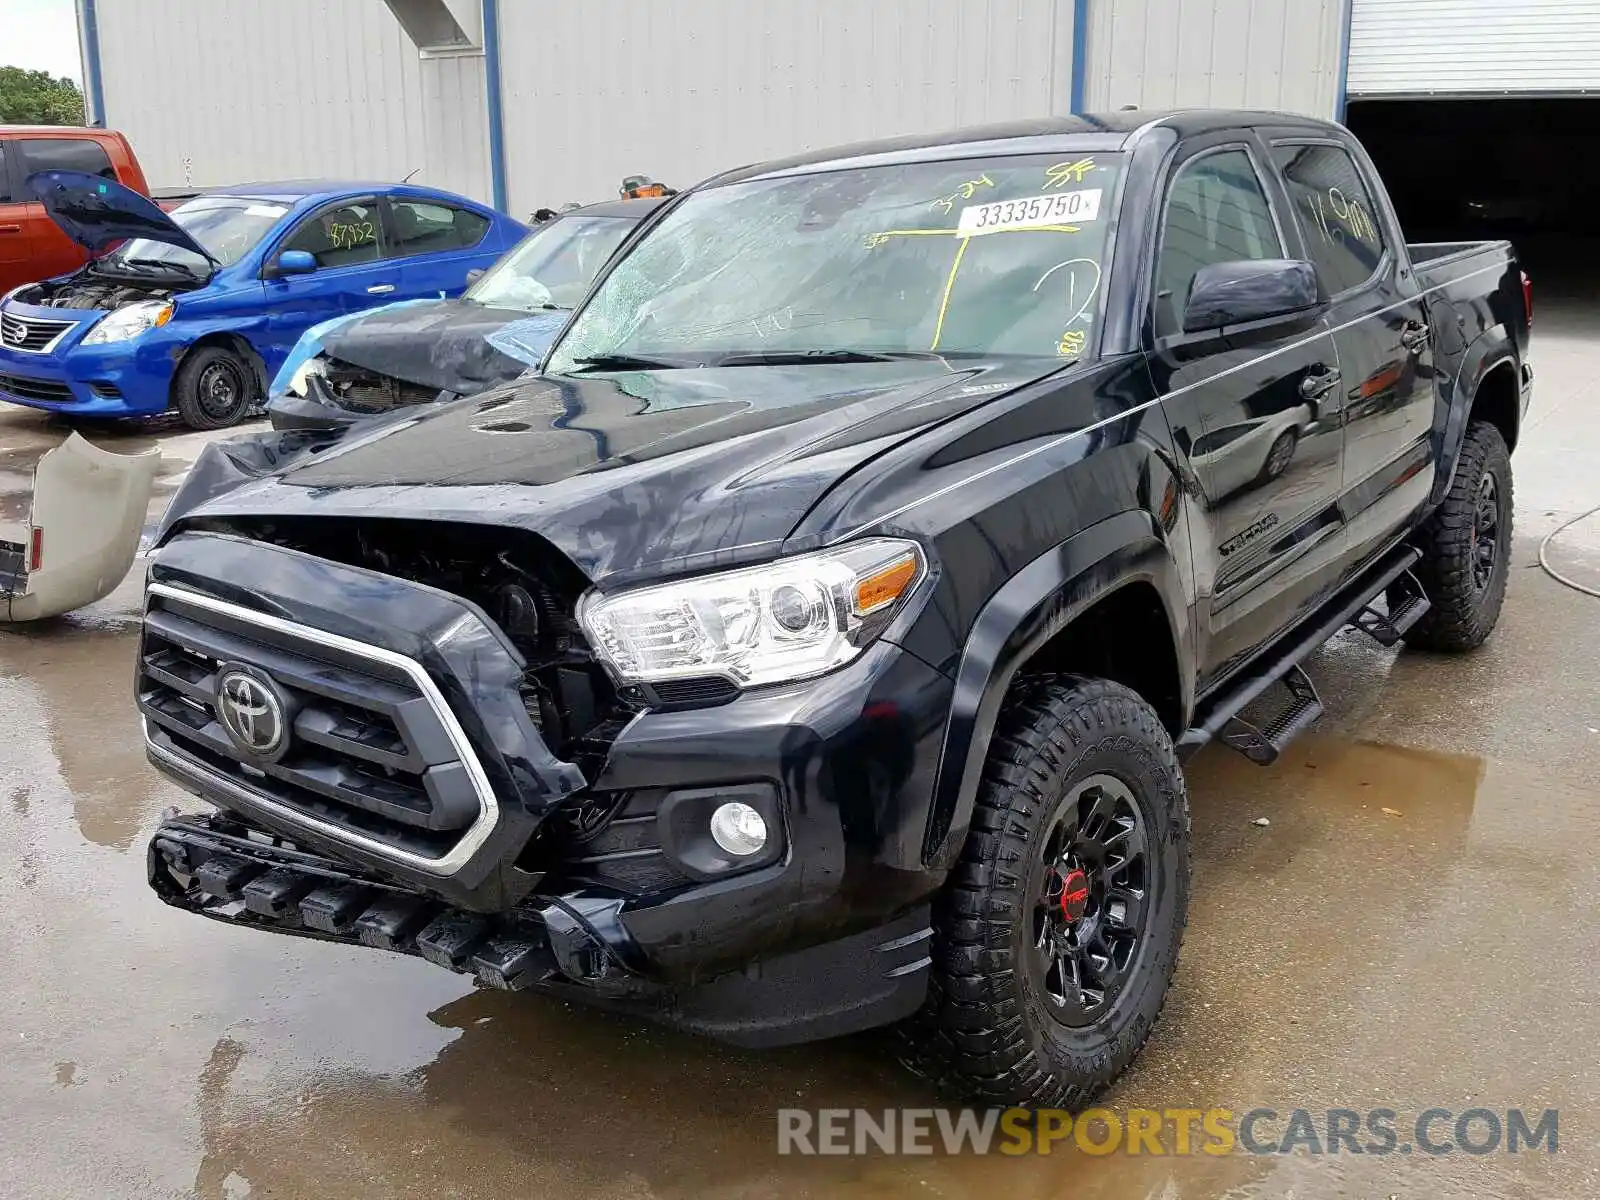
(813,642)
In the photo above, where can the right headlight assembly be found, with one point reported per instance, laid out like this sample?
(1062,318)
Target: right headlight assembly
(782,621)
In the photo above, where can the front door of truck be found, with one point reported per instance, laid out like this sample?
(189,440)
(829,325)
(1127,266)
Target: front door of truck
(1381,331)
(1262,465)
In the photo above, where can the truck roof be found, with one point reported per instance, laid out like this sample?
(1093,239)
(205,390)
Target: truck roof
(69,131)
(1083,131)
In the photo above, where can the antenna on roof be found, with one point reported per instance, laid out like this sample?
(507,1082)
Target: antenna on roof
(414,170)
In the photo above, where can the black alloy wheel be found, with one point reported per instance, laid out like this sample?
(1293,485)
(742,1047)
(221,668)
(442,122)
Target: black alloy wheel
(1090,894)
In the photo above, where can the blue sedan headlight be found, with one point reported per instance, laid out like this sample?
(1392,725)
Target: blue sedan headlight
(129,322)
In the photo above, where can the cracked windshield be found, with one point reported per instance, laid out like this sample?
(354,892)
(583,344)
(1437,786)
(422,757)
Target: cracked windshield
(554,266)
(983,257)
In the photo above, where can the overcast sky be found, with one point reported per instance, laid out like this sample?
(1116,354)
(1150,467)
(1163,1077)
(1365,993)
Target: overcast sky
(41,35)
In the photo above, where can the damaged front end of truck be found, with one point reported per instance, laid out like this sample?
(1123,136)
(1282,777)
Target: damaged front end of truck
(365,652)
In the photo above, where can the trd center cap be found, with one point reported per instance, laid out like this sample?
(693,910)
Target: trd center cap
(1074,895)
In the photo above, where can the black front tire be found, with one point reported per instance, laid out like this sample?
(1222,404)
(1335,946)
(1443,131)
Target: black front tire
(214,388)
(994,1028)
(1466,548)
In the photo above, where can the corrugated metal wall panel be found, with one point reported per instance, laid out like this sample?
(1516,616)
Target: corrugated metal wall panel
(1482,47)
(1277,54)
(685,89)
(226,91)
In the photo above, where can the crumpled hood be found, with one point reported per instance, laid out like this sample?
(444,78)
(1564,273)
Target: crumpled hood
(631,474)
(96,212)
(448,345)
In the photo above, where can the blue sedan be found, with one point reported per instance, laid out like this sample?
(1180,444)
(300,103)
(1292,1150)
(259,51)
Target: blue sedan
(195,310)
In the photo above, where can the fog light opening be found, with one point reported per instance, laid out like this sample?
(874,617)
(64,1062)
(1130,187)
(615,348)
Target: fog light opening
(738,829)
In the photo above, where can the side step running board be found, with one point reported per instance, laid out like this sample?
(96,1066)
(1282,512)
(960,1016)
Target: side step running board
(1263,745)
(1219,712)
(1405,605)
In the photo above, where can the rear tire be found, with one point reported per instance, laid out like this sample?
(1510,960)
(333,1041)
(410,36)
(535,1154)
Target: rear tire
(1466,548)
(214,388)
(1011,1017)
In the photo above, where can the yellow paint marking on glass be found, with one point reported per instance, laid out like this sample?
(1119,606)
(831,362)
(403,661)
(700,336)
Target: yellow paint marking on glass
(877,239)
(1063,173)
(949,285)
(1039,229)
(1071,343)
(874,240)
(964,192)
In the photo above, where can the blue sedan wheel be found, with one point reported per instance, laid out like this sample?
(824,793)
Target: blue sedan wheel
(213,389)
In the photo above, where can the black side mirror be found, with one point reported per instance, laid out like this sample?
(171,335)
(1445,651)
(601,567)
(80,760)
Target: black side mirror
(1268,297)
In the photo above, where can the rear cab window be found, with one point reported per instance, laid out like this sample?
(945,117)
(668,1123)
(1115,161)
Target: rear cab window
(1337,218)
(5,176)
(65,154)
(983,257)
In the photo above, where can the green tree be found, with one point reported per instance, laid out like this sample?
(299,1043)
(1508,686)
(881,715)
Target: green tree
(34,98)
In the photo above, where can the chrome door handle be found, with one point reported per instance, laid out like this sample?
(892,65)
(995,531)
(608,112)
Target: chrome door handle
(10,228)
(1414,336)
(380,289)
(1314,387)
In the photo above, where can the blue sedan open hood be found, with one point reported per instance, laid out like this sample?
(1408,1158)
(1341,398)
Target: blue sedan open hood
(97,212)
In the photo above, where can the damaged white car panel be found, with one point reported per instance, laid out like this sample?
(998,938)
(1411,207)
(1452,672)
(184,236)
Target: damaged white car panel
(82,531)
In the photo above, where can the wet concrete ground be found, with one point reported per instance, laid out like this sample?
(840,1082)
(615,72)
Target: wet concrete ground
(1442,954)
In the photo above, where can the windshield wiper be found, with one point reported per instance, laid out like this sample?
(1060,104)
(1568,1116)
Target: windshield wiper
(781,358)
(627,362)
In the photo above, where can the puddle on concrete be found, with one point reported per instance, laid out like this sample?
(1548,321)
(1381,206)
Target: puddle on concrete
(1341,956)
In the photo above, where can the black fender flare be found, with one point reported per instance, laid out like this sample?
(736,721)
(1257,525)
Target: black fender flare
(1490,349)
(1033,606)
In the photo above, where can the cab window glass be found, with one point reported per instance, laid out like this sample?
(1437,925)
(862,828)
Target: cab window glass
(1335,212)
(423,228)
(1216,212)
(339,236)
(5,177)
(65,154)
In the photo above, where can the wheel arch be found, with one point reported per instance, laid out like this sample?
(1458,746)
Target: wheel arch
(1487,388)
(1053,615)
(235,343)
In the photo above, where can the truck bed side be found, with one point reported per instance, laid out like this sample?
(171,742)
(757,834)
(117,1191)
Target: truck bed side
(1479,314)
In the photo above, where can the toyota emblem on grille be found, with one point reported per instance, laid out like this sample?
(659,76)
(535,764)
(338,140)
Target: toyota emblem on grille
(252,711)
(19,333)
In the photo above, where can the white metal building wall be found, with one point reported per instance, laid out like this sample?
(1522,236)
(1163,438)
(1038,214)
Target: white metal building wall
(220,91)
(1474,47)
(1277,54)
(226,91)
(594,92)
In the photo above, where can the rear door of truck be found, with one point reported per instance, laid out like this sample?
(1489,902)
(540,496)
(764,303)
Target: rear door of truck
(1379,318)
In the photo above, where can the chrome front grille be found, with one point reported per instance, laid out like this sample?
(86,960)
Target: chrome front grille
(370,752)
(34,334)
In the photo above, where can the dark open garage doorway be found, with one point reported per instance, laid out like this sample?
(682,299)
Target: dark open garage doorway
(1527,169)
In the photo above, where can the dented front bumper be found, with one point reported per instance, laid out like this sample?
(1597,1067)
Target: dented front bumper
(578,945)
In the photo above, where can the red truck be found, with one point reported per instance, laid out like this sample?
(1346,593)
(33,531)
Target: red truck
(31,247)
